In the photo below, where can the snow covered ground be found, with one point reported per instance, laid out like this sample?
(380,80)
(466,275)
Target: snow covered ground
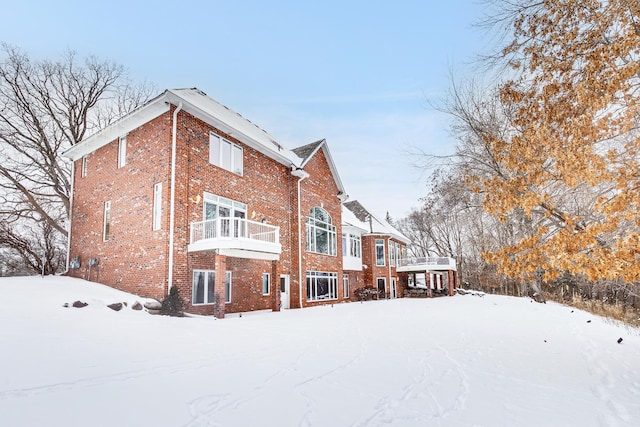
(460,361)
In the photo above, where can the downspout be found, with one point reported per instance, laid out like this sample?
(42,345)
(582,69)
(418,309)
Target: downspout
(301,174)
(174,131)
(73,173)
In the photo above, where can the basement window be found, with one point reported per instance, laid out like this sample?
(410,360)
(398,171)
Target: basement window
(203,287)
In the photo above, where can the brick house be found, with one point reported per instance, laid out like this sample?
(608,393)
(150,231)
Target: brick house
(185,192)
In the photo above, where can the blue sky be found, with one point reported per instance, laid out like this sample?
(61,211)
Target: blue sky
(357,73)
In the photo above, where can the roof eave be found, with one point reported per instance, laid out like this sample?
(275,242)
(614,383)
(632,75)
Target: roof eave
(122,126)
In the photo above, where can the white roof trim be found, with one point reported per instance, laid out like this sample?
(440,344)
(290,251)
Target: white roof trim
(199,105)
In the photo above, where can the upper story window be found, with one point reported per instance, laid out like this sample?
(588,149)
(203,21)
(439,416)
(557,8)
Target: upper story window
(380,252)
(351,246)
(122,151)
(225,209)
(85,160)
(321,233)
(221,207)
(157,206)
(225,154)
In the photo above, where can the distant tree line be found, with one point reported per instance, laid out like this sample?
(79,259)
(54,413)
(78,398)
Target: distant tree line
(542,194)
(47,106)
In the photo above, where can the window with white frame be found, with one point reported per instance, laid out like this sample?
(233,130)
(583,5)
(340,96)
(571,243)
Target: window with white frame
(382,285)
(351,245)
(122,151)
(322,286)
(392,253)
(345,285)
(225,154)
(321,233)
(203,287)
(355,246)
(266,284)
(157,206)
(380,252)
(227,287)
(106,229)
(83,170)
(226,209)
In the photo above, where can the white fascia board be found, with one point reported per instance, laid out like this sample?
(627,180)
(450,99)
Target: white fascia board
(229,129)
(332,166)
(126,124)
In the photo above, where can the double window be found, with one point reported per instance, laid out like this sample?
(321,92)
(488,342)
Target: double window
(229,211)
(321,233)
(225,154)
(351,246)
(321,286)
(203,287)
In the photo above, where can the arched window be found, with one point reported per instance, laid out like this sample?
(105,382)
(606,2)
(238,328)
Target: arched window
(321,233)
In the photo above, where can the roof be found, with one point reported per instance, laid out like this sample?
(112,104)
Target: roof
(207,109)
(306,153)
(356,215)
(198,104)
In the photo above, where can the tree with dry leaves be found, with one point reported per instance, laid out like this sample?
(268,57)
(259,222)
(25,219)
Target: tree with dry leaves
(45,108)
(568,162)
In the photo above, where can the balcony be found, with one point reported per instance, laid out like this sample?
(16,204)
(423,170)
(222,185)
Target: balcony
(427,264)
(236,237)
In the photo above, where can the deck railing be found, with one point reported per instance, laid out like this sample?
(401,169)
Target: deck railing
(444,262)
(234,228)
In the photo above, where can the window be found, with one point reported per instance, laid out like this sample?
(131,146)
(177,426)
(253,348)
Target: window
(203,286)
(321,286)
(157,205)
(107,221)
(225,154)
(84,166)
(227,287)
(379,252)
(382,285)
(392,253)
(351,245)
(266,284)
(122,151)
(221,207)
(345,285)
(321,233)
(355,246)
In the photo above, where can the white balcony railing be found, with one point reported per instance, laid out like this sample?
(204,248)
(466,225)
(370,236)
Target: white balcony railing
(432,263)
(235,234)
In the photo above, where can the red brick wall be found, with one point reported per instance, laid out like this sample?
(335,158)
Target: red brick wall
(266,188)
(135,257)
(320,190)
(373,271)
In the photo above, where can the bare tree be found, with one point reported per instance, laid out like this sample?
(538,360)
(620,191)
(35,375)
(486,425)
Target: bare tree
(45,108)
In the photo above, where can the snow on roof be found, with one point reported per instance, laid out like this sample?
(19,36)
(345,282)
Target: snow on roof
(356,215)
(198,104)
